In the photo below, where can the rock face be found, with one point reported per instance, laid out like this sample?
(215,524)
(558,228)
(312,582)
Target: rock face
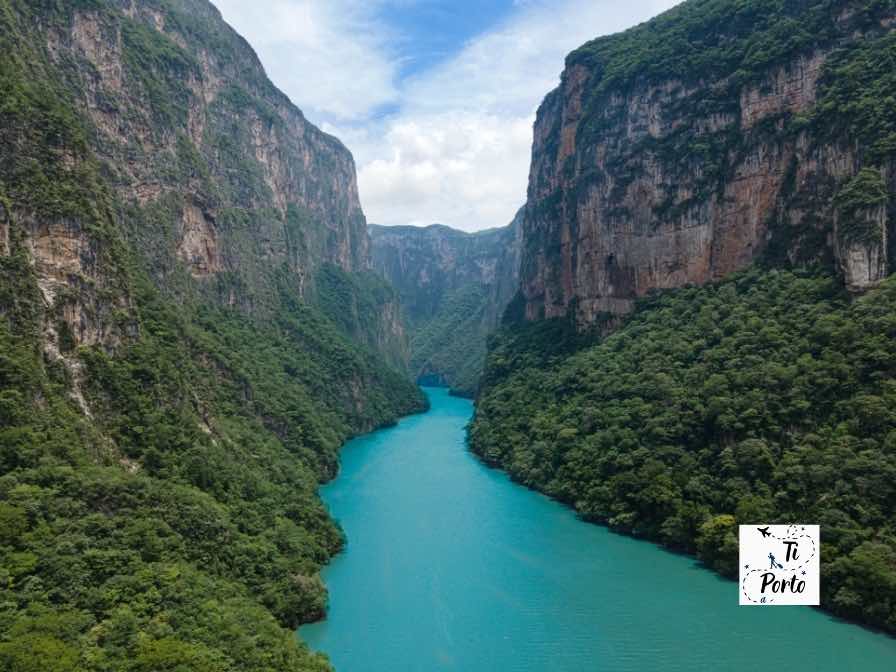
(204,166)
(454,287)
(425,263)
(187,118)
(144,146)
(197,246)
(660,164)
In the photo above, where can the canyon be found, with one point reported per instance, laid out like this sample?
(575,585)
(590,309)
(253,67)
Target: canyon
(453,288)
(688,325)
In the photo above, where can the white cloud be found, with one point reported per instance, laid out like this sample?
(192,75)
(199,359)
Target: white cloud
(457,148)
(452,167)
(332,57)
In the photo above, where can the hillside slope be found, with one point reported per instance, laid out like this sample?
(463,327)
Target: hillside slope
(453,288)
(765,398)
(174,378)
(704,332)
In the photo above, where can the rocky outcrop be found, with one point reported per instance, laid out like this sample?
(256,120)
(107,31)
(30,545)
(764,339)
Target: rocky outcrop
(863,260)
(181,105)
(861,235)
(145,150)
(75,290)
(210,169)
(454,287)
(686,166)
(198,243)
(863,265)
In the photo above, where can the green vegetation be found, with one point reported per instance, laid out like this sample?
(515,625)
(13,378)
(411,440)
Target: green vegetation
(715,38)
(355,302)
(181,523)
(45,162)
(863,194)
(768,397)
(450,347)
(162,68)
(162,437)
(857,97)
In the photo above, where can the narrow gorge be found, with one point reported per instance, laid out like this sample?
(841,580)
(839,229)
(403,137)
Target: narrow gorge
(688,326)
(454,288)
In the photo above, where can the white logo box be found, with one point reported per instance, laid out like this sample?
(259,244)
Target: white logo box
(779,565)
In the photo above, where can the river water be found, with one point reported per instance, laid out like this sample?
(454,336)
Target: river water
(450,566)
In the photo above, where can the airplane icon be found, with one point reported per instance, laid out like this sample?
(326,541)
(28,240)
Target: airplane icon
(764,531)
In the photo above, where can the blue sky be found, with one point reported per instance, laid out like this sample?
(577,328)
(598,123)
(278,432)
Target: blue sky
(434,30)
(434,98)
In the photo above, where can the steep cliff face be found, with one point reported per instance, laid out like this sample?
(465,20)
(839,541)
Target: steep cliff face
(187,122)
(210,167)
(367,309)
(189,331)
(172,135)
(712,136)
(720,135)
(454,287)
(168,83)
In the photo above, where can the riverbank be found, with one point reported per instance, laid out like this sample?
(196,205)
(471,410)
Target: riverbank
(451,566)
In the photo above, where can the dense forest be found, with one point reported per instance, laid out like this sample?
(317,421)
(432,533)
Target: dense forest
(179,523)
(767,397)
(172,391)
(450,347)
(710,231)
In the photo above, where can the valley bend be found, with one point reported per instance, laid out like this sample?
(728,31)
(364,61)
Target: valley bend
(415,336)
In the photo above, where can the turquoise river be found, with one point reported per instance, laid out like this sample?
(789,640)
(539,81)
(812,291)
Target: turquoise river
(451,566)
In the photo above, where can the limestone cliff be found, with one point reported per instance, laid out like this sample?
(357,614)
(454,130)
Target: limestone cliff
(184,116)
(171,143)
(715,135)
(454,287)
(189,331)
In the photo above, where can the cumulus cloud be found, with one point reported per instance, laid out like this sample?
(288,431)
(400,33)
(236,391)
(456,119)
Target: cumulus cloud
(453,167)
(456,144)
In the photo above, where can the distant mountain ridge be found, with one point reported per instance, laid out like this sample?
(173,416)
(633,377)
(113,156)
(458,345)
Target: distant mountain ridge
(453,288)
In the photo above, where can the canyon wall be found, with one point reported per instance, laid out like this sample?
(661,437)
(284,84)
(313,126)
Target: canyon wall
(454,287)
(425,263)
(175,155)
(702,141)
(185,116)
(189,332)
(750,139)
